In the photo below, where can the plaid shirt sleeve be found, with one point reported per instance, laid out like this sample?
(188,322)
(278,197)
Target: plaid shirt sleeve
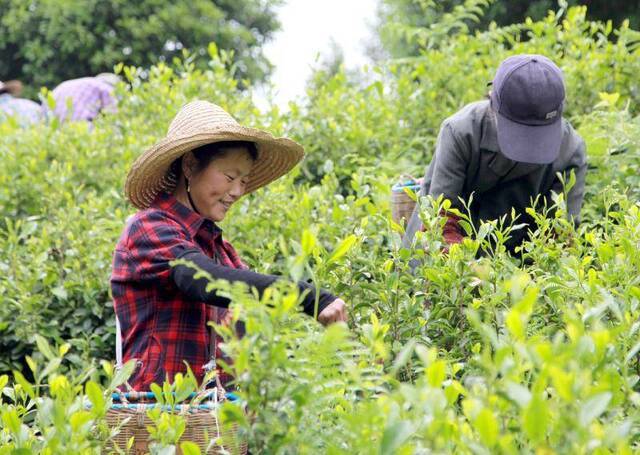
(154,240)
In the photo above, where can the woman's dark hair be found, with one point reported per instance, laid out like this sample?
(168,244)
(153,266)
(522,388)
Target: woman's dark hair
(208,152)
(13,88)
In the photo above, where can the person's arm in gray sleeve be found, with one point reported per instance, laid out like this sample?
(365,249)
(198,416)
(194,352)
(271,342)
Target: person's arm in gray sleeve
(445,175)
(450,169)
(578,164)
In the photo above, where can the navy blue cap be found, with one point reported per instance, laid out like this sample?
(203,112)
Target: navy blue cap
(528,96)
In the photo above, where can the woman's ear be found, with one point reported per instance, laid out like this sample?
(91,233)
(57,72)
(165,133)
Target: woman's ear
(188,165)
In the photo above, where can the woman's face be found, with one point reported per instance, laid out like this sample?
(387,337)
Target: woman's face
(215,188)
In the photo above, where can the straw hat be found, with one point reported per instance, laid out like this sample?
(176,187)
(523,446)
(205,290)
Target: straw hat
(199,123)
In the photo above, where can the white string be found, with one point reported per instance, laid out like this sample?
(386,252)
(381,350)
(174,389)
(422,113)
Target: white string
(118,345)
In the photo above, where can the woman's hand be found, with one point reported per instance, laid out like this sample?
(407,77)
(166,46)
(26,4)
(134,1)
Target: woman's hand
(336,311)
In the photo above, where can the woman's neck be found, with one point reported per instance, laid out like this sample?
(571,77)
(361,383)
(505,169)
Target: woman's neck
(180,193)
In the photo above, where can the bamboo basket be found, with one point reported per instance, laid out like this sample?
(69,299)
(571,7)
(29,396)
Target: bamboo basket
(201,427)
(401,203)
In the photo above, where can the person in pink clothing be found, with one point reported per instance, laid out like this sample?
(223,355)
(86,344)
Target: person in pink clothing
(84,98)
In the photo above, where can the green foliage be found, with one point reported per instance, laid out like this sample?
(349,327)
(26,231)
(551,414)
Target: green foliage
(47,42)
(441,15)
(474,351)
(610,130)
(57,413)
(603,10)
(411,25)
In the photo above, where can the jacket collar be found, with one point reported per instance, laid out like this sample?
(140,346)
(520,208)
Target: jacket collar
(489,132)
(192,221)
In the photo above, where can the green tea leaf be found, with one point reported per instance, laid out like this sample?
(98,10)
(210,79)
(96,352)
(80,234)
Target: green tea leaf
(308,242)
(63,349)
(122,374)
(52,366)
(232,413)
(20,379)
(487,427)
(44,347)
(190,448)
(342,249)
(518,393)
(95,395)
(403,357)
(78,419)
(436,373)
(394,436)
(536,418)
(513,321)
(632,352)
(594,407)
(11,420)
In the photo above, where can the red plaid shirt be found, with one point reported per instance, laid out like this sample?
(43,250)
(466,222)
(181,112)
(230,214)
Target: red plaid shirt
(161,327)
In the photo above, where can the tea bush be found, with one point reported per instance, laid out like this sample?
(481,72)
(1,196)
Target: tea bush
(467,353)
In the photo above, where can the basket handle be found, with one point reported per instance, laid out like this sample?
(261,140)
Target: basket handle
(119,363)
(408,176)
(212,365)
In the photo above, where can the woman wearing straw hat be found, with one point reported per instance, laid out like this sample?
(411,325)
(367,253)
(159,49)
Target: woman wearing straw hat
(183,186)
(83,99)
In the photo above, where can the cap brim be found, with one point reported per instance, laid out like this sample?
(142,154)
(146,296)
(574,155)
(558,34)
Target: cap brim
(529,144)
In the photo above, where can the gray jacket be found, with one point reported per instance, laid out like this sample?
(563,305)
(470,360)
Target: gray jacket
(467,160)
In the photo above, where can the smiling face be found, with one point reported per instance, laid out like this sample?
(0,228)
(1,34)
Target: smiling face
(221,183)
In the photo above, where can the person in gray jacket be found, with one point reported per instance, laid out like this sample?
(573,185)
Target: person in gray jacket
(506,151)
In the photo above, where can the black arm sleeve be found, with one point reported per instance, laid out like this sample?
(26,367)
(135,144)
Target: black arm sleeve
(183,277)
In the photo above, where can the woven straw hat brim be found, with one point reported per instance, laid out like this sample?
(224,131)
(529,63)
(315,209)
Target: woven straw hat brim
(149,174)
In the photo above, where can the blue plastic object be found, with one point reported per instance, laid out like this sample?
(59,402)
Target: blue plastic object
(136,396)
(412,184)
(177,407)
